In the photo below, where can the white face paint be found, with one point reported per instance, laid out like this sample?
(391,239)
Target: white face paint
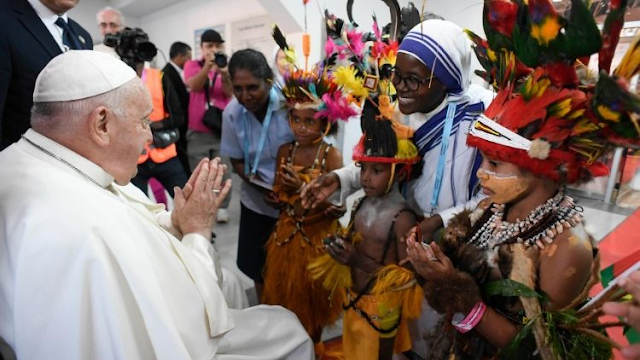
(502,188)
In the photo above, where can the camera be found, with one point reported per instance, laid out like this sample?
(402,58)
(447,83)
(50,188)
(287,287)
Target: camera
(220,59)
(132,45)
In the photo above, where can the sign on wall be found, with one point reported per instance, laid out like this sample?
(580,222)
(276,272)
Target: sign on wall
(254,33)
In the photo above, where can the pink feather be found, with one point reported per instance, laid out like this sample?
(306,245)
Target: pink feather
(329,47)
(376,29)
(355,40)
(336,108)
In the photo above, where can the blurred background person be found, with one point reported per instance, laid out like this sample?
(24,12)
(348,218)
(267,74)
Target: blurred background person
(279,66)
(208,80)
(110,21)
(179,54)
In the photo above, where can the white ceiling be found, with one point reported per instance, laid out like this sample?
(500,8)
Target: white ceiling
(138,8)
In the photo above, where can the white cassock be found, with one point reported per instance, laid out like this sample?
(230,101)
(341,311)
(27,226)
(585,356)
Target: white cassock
(94,271)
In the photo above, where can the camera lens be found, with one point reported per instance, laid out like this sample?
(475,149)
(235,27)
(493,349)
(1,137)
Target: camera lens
(220,59)
(111,40)
(146,51)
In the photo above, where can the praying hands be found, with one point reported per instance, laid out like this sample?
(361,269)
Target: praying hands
(196,205)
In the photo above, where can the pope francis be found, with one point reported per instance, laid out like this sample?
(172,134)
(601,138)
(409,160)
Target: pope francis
(89,268)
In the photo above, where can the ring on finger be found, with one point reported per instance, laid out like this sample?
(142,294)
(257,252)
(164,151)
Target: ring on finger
(216,191)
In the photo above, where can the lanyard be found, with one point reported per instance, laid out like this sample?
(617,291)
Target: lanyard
(263,137)
(446,134)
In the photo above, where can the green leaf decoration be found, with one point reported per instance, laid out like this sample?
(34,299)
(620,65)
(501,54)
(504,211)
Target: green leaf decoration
(508,287)
(514,349)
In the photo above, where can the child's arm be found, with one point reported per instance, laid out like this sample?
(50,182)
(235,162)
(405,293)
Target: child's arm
(334,162)
(282,156)
(405,221)
(347,254)
(564,268)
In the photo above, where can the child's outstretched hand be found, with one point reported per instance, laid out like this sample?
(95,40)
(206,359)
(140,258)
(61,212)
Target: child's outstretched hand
(340,250)
(428,260)
(335,211)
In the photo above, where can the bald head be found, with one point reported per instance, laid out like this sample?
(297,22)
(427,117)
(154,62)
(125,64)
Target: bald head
(110,21)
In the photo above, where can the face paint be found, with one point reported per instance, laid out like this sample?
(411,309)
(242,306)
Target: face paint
(502,188)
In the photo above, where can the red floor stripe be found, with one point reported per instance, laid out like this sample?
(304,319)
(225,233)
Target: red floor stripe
(620,243)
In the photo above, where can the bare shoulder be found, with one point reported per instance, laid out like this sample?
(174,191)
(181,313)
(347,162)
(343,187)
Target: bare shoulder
(334,159)
(565,265)
(283,151)
(571,246)
(404,222)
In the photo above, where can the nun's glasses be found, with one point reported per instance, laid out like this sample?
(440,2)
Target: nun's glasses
(411,82)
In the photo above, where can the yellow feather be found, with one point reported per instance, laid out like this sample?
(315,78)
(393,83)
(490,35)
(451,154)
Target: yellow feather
(396,286)
(346,78)
(630,63)
(406,149)
(333,274)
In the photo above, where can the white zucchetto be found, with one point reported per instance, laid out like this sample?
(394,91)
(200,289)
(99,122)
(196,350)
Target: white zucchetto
(80,74)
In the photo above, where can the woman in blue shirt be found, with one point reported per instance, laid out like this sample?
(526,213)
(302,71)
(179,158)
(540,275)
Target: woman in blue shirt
(254,125)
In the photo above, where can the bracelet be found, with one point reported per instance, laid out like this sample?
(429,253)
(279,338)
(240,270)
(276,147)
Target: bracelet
(472,319)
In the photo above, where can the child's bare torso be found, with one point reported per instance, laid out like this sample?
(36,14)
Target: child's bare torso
(373,223)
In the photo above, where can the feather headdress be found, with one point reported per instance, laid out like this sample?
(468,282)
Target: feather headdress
(542,118)
(313,89)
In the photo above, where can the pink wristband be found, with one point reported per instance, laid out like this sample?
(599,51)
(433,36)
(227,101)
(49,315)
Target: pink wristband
(472,319)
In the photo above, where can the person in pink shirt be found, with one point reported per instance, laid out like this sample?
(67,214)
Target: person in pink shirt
(209,72)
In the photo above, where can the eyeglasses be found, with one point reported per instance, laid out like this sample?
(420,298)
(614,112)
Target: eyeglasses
(111,25)
(146,122)
(412,83)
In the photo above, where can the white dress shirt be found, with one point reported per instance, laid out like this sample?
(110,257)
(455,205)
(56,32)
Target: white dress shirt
(49,18)
(178,69)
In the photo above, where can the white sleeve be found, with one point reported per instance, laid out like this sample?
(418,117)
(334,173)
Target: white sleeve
(472,204)
(164,219)
(349,183)
(197,244)
(204,251)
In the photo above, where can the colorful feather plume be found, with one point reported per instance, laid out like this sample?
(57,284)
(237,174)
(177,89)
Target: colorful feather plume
(530,56)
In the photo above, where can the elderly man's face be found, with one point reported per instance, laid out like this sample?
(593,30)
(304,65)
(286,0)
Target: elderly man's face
(133,133)
(109,22)
(60,6)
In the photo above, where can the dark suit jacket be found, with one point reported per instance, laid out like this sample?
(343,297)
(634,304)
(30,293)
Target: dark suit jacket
(180,88)
(26,46)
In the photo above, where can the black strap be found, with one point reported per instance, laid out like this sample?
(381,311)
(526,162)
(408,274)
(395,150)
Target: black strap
(206,88)
(391,236)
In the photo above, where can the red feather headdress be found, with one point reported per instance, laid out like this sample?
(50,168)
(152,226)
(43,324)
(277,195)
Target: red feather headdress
(542,119)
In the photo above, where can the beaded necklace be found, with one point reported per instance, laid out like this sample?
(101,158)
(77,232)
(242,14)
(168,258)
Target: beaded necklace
(288,208)
(540,227)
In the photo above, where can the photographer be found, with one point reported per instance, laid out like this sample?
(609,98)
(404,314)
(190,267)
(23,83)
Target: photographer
(159,158)
(211,90)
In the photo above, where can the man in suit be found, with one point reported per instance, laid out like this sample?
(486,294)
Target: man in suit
(179,54)
(32,32)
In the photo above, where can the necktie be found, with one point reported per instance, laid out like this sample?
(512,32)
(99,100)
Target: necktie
(68,37)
